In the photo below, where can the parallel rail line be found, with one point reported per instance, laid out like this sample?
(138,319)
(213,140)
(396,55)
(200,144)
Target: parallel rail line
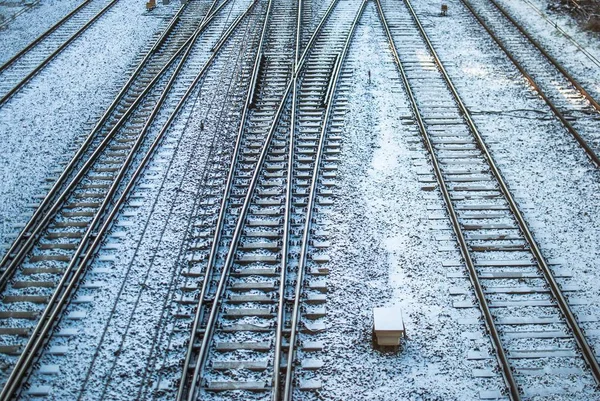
(255,109)
(554,25)
(82,162)
(528,312)
(32,288)
(207,195)
(28,62)
(168,47)
(221,66)
(551,81)
(206,188)
(251,271)
(248,308)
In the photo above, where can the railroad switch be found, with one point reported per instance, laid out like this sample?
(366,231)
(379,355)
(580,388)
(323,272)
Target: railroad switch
(388,327)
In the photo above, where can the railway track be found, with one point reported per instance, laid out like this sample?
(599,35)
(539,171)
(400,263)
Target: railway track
(101,373)
(270,77)
(26,8)
(16,72)
(167,352)
(40,277)
(577,110)
(269,81)
(250,305)
(174,40)
(541,350)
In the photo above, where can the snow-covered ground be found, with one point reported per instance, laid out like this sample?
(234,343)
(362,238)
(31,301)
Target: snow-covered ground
(30,23)
(554,182)
(384,249)
(389,231)
(41,125)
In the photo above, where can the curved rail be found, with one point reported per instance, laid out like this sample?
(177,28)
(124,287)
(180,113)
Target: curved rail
(208,274)
(187,386)
(52,55)
(57,194)
(295,318)
(288,202)
(93,239)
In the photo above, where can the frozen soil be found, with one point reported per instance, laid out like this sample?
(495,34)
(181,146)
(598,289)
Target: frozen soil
(384,251)
(41,125)
(552,179)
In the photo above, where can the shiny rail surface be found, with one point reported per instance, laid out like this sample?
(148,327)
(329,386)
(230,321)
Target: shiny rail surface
(524,306)
(24,65)
(576,109)
(39,282)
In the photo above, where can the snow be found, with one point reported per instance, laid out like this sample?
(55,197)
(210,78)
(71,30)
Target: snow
(384,250)
(390,238)
(124,346)
(31,23)
(41,126)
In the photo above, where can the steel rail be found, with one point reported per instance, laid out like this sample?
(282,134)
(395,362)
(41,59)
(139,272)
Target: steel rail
(580,338)
(37,69)
(582,342)
(85,253)
(275,394)
(284,252)
(92,136)
(582,142)
(26,8)
(579,8)
(547,55)
(43,36)
(42,216)
(501,355)
(141,167)
(335,74)
(237,231)
(181,391)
